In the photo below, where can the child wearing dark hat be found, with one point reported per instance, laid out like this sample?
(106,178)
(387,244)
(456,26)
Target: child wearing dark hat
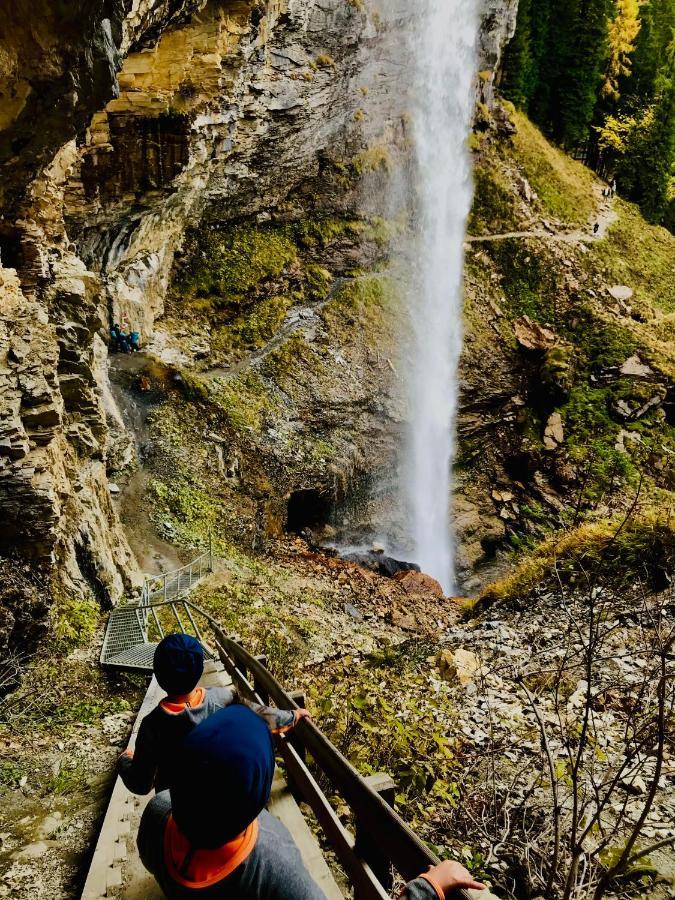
(178,665)
(212,836)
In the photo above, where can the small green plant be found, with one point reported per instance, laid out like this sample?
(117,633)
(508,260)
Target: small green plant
(10,774)
(74,620)
(67,780)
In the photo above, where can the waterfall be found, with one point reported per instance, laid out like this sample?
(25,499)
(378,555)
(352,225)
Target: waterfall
(444,60)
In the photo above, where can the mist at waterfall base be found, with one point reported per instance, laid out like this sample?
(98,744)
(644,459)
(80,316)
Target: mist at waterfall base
(443,47)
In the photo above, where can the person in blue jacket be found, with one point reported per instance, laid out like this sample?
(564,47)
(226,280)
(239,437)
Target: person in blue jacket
(211,837)
(178,665)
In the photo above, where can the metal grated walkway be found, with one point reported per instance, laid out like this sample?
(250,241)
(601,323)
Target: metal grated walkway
(125,644)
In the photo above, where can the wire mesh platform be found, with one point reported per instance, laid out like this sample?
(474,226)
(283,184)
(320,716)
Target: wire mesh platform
(137,658)
(125,630)
(126,644)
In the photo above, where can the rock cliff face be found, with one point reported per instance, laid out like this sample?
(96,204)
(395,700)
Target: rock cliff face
(499,19)
(123,125)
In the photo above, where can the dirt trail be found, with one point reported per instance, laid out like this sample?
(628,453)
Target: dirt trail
(604,216)
(154,554)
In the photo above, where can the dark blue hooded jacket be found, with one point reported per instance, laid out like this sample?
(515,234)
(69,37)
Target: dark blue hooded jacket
(178,665)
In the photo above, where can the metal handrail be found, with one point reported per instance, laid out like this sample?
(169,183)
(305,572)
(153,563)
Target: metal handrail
(163,585)
(393,838)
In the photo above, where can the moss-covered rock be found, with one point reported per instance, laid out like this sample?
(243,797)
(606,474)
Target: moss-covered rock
(557,375)
(224,266)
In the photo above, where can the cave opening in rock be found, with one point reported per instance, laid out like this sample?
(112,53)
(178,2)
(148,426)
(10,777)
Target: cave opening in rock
(308,508)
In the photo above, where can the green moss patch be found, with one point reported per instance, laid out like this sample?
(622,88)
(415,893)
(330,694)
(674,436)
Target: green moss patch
(370,301)
(226,265)
(290,360)
(244,400)
(529,278)
(493,210)
(611,549)
(73,620)
(252,329)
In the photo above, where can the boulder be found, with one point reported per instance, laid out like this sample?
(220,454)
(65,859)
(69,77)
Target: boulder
(415,582)
(620,292)
(533,336)
(554,434)
(457,665)
(377,561)
(391,567)
(502,496)
(635,368)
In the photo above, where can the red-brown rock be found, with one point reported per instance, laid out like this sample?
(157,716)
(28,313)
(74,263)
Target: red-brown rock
(419,583)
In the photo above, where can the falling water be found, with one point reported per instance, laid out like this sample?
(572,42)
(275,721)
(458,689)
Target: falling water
(444,58)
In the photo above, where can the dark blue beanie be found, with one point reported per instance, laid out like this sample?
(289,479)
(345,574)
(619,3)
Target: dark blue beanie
(178,663)
(223,776)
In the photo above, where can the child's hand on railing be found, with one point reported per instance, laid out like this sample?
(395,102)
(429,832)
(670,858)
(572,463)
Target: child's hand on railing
(301,714)
(451,876)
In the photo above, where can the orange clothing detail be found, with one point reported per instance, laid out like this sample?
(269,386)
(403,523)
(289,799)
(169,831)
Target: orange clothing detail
(199,868)
(177,704)
(283,729)
(439,890)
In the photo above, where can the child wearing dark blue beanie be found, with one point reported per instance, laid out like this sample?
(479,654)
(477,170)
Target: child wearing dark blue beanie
(178,665)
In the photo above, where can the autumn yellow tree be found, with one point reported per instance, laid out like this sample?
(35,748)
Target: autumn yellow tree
(623,31)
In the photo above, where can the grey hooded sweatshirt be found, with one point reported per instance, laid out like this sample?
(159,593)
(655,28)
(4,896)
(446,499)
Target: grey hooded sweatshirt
(273,870)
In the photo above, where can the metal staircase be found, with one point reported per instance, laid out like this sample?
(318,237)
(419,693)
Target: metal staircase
(127,644)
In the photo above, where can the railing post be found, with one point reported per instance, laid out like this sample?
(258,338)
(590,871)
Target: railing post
(165,587)
(257,687)
(365,846)
(298,746)
(210,552)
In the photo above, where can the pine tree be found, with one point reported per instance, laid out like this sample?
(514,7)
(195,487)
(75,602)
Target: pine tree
(646,170)
(550,22)
(651,47)
(583,71)
(654,176)
(518,74)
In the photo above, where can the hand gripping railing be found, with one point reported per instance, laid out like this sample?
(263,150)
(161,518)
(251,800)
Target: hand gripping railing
(382,839)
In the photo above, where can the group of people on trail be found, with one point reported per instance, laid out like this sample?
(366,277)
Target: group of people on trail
(122,340)
(209,754)
(610,190)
